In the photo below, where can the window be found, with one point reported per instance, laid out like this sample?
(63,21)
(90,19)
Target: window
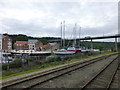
(9,43)
(9,46)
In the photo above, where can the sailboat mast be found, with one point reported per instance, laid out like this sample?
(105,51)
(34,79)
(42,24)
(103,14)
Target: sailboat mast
(79,35)
(61,34)
(64,34)
(75,34)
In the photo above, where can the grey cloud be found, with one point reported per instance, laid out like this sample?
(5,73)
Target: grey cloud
(58,11)
(31,28)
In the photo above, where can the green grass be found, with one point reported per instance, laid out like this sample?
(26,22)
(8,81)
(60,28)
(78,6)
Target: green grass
(88,57)
(53,64)
(25,72)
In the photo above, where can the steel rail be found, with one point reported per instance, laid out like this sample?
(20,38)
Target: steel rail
(96,75)
(60,69)
(40,82)
(112,78)
(51,71)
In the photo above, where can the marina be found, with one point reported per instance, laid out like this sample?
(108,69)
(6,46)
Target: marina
(59,44)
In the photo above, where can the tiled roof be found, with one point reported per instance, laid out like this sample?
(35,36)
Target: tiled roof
(22,42)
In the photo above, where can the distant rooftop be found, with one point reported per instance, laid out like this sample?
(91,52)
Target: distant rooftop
(22,42)
(52,44)
(55,40)
(32,41)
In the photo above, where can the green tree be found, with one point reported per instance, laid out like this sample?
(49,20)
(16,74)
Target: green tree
(101,47)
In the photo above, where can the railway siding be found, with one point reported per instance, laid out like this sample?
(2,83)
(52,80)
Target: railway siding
(24,76)
(59,72)
(76,78)
(103,78)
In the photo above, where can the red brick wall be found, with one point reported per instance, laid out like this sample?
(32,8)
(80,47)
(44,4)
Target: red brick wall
(21,47)
(5,41)
(38,45)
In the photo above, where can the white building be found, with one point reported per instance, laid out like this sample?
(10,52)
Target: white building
(35,45)
(31,44)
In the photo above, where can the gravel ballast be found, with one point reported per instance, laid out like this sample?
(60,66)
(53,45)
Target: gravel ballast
(76,78)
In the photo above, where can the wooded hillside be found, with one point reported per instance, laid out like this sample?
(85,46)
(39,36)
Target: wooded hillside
(45,40)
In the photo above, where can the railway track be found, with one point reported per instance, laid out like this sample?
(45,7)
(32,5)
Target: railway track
(44,77)
(115,80)
(105,77)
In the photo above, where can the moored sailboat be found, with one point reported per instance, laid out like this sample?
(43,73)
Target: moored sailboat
(63,51)
(74,47)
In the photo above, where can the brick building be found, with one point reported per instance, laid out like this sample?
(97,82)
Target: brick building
(6,43)
(21,45)
(49,46)
(46,47)
(55,46)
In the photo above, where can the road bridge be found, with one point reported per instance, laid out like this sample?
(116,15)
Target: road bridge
(93,38)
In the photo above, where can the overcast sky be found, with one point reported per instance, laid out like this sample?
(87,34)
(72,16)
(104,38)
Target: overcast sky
(42,19)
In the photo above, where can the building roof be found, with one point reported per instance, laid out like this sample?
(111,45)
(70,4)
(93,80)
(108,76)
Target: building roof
(22,42)
(32,41)
(46,46)
(52,44)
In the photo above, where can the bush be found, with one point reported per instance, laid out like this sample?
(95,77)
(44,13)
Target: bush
(88,53)
(52,59)
(57,58)
(15,64)
(4,66)
(65,58)
(27,60)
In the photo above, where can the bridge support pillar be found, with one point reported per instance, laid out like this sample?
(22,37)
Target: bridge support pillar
(91,44)
(116,47)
